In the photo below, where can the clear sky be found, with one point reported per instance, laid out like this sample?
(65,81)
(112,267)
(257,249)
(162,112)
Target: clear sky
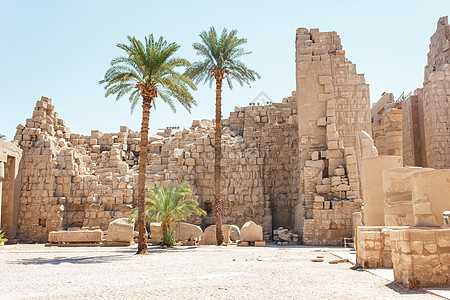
(61,49)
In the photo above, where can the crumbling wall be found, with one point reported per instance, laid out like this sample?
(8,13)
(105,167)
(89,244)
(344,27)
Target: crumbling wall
(10,162)
(66,185)
(333,103)
(387,125)
(73,180)
(429,144)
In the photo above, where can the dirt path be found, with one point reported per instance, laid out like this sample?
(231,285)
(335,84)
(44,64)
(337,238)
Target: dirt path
(206,272)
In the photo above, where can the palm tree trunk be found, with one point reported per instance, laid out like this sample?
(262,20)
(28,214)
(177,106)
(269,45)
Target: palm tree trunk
(217,157)
(143,153)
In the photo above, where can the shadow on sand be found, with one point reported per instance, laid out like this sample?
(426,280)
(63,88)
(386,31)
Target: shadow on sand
(117,255)
(401,289)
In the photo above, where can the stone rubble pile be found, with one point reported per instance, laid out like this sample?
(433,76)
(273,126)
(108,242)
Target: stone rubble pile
(284,237)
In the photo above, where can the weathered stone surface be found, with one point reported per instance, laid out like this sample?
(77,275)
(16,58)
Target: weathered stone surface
(80,236)
(209,236)
(251,232)
(430,196)
(235,233)
(120,230)
(398,205)
(372,184)
(420,256)
(185,231)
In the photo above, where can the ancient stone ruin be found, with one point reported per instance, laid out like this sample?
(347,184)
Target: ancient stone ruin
(406,216)
(305,170)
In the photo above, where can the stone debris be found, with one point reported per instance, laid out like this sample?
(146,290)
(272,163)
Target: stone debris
(283,236)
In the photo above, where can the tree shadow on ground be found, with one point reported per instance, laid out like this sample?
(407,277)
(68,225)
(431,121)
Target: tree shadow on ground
(70,260)
(401,289)
(95,259)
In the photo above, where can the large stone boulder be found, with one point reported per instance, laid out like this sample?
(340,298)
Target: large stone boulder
(183,231)
(120,230)
(209,237)
(187,232)
(235,233)
(251,232)
(155,231)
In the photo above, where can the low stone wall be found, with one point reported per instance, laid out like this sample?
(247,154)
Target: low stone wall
(421,256)
(330,224)
(373,246)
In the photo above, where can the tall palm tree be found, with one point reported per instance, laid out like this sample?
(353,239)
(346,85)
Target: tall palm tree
(168,205)
(221,61)
(148,70)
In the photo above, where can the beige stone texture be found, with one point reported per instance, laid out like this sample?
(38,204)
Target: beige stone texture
(426,119)
(187,232)
(209,235)
(421,257)
(387,125)
(10,181)
(398,205)
(251,232)
(120,230)
(430,196)
(80,236)
(372,187)
(373,246)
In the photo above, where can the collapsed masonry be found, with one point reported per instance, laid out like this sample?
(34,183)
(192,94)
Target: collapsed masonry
(291,164)
(71,180)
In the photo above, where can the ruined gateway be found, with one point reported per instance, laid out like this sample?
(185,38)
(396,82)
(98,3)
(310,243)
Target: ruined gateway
(291,164)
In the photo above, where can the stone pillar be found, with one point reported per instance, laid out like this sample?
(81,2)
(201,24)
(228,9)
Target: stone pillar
(398,205)
(372,183)
(431,197)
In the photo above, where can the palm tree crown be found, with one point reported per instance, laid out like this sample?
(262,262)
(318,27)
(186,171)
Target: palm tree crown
(148,69)
(221,59)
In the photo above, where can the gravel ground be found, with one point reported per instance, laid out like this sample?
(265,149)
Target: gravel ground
(206,272)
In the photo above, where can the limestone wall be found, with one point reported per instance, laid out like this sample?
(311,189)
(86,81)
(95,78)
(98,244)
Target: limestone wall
(431,142)
(421,256)
(333,103)
(72,180)
(10,179)
(387,125)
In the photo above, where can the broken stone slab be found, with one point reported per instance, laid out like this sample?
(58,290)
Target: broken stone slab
(120,230)
(251,232)
(209,236)
(82,236)
(187,232)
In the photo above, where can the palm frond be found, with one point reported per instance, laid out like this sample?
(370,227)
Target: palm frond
(220,54)
(149,63)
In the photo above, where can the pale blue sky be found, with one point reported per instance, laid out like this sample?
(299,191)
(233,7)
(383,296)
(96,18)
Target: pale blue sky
(61,49)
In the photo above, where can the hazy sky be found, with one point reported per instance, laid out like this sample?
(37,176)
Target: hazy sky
(61,49)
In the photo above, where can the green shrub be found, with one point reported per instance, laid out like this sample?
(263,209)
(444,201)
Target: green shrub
(2,238)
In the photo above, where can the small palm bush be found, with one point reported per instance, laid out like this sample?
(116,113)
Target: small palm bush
(167,205)
(2,238)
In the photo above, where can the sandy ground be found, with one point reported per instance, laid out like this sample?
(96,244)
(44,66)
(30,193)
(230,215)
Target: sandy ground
(206,272)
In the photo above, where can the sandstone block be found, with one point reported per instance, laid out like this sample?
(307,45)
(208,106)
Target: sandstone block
(81,236)
(120,230)
(251,232)
(209,236)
